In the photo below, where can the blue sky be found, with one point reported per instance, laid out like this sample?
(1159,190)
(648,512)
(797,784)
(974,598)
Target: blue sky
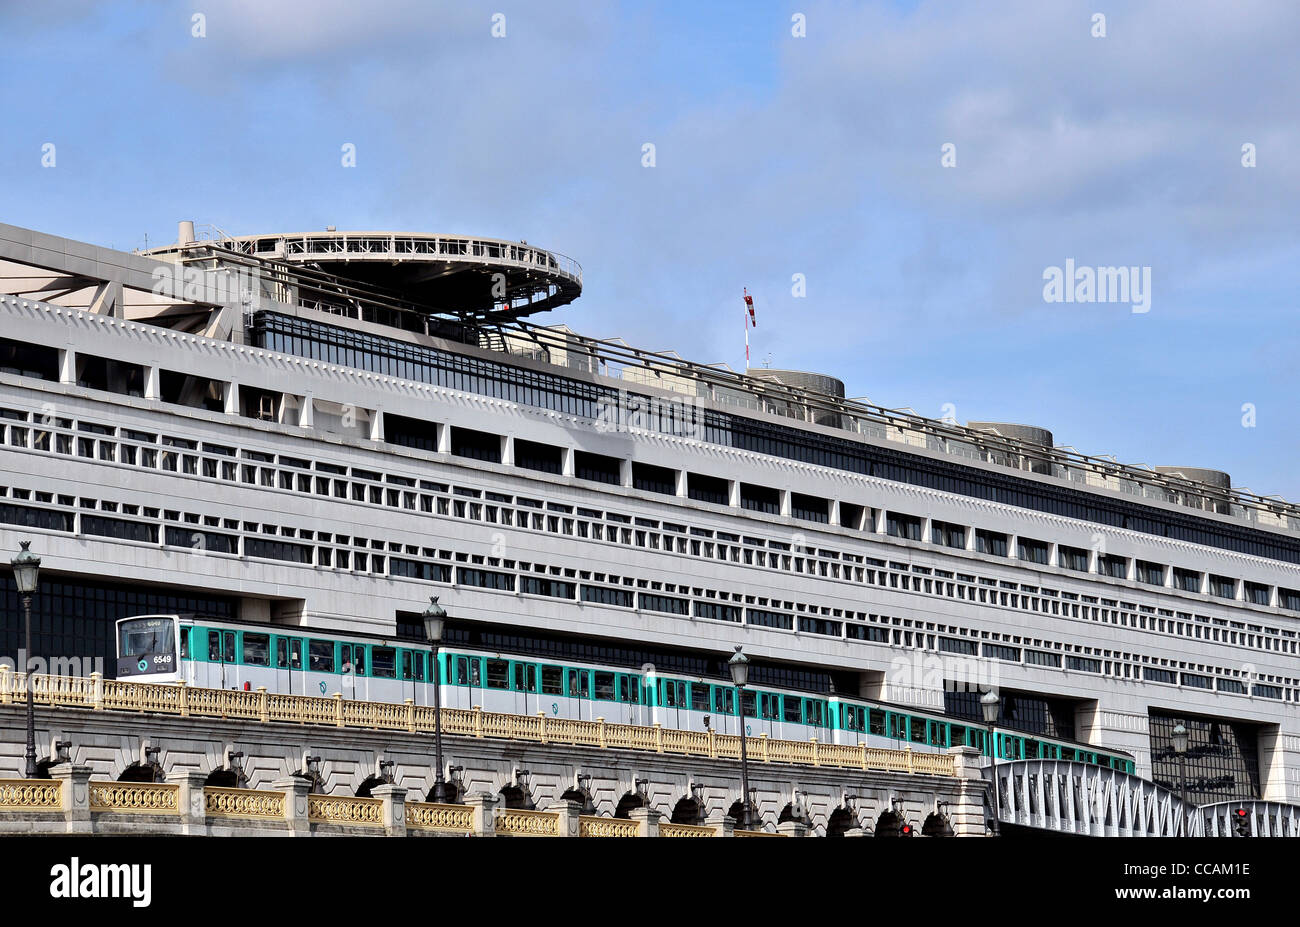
(775,156)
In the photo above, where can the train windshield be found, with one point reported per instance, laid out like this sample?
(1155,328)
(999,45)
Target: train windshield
(146,645)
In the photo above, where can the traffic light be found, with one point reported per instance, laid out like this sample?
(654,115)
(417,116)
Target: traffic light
(1241,822)
(905,830)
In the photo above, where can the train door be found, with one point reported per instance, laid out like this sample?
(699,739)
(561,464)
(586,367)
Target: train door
(288,666)
(627,692)
(672,709)
(412,673)
(224,671)
(749,713)
(701,711)
(353,664)
(578,683)
(381,678)
(527,700)
(323,675)
(462,681)
(553,698)
(724,710)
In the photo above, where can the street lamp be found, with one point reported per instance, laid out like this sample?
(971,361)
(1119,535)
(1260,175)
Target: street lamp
(739,666)
(435,619)
(990,703)
(26,570)
(1179,737)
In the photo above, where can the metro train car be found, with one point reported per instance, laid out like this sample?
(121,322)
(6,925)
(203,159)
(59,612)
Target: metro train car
(223,654)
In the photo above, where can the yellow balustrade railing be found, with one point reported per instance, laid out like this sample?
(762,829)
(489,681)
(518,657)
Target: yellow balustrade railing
(30,795)
(341,809)
(243,803)
(135,797)
(590,825)
(95,692)
(457,819)
(517,823)
(685,830)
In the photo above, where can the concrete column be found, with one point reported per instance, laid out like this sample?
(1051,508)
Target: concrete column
(569,468)
(189,800)
(444,439)
(722,825)
(394,810)
(568,812)
(295,789)
(683,484)
(75,783)
(647,821)
(967,813)
(484,805)
(625,472)
(67,366)
(733,493)
(151,388)
(792,828)
(376,424)
(835,513)
(1013,547)
(786,508)
(507,450)
(306,412)
(232,398)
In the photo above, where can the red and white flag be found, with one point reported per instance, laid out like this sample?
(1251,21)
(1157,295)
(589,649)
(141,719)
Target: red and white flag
(749,320)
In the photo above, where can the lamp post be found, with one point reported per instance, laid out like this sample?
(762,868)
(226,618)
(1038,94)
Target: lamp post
(1179,738)
(739,666)
(26,570)
(435,618)
(990,703)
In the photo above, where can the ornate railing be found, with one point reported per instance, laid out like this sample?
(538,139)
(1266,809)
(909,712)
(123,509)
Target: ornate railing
(243,803)
(98,693)
(338,809)
(685,830)
(458,819)
(134,797)
(518,823)
(30,795)
(593,826)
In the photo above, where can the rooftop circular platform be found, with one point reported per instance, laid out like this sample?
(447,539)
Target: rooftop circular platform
(464,275)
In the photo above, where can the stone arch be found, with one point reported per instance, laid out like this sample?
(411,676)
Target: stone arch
(224,778)
(937,825)
(369,783)
(687,811)
(888,824)
(841,821)
(450,788)
(628,803)
(512,796)
(141,772)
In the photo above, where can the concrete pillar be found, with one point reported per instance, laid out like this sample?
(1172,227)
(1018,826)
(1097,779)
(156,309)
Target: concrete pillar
(683,484)
(722,825)
(484,805)
(394,809)
(376,424)
(786,508)
(967,814)
(306,412)
(444,439)
(151,388)
(295,789)
(647,821)
(792,828)
(75,783)
(67,366)
(733,493)
(835,512)
(569,467)
(625,472)
(232,398)
(190,803)
(507,450)
(568,812)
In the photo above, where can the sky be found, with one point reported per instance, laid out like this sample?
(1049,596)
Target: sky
(800,150)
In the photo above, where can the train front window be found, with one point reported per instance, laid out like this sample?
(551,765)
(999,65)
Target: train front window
(143,636)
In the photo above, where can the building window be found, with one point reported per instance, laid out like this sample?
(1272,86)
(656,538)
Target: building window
(1111,565)
(903,526)
(948,535)
(1221,763)
(1033,551)
(991,542)
(1151,573)
(1223,587)
(1187,580)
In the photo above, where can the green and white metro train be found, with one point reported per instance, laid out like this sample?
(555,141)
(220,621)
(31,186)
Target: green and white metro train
(223,654)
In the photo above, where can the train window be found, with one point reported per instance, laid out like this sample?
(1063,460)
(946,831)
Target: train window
(580,683)
(793,710)
(407,671)
(257,649)
(525,677)
(1067,753)
(605,686)
(917,733)
(748,704)
(281,652)
(629,689)
(552,680)
(935,734)
(383,662)
(345,658)
(228,646)
(724,700)
(185,643)
(417,660)
(668,693)
(877,722)
(699,697)
(320,656)
(771,703)
(956,735)
(498,674)
(815,712)
(460,671)
(1031,748)
(214,646)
